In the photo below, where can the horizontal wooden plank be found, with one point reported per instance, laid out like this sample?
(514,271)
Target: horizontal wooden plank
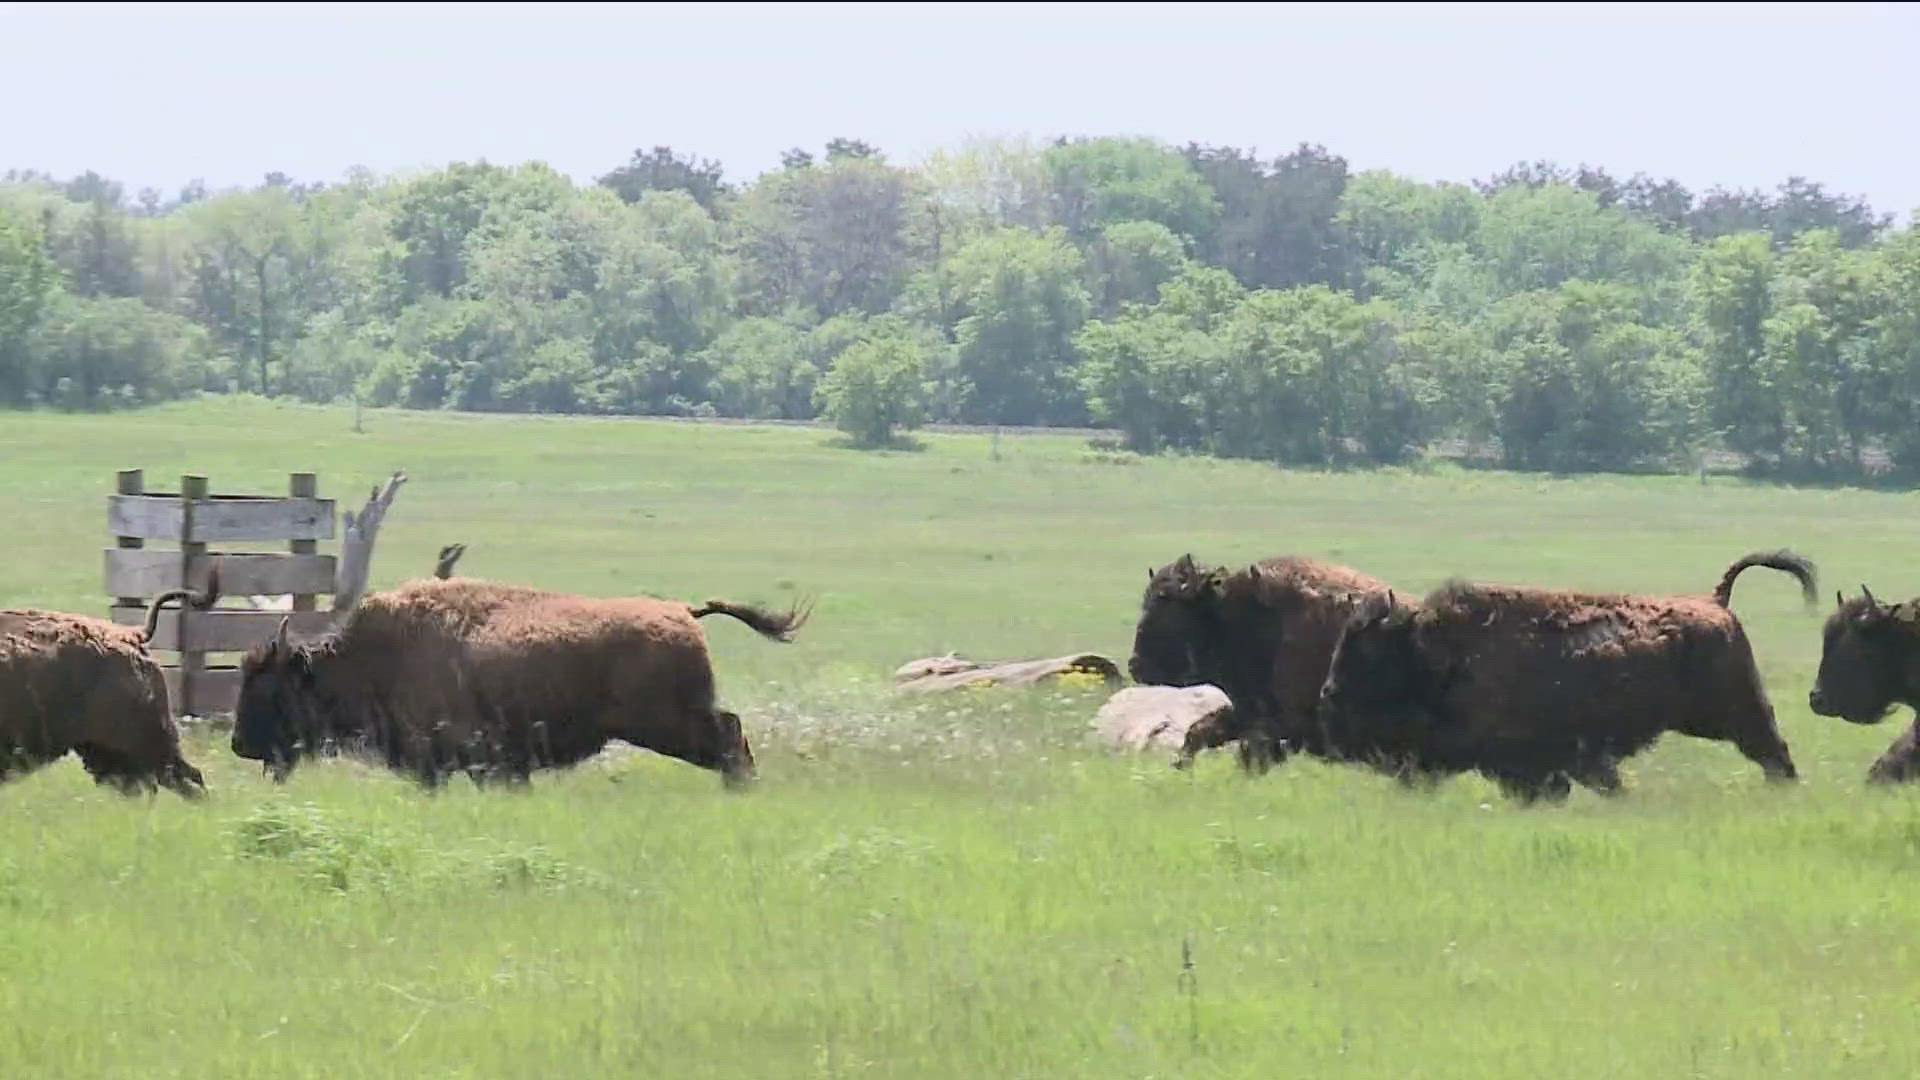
(150,517)
(215,690)
(221,630)
(220,518)
(146,572)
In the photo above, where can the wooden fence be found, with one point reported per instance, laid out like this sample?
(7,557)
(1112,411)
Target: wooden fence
(193,518)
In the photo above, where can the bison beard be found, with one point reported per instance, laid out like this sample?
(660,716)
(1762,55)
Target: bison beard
(1537,689)
(1262,635)
(85,685)
(497,681)
(1869,665)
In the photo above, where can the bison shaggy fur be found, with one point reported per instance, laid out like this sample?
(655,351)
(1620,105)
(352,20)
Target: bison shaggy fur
(1537,688)
(73,683)
(1262,634)
(1869,664)
(497,680)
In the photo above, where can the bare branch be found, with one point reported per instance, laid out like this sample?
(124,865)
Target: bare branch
(357,535)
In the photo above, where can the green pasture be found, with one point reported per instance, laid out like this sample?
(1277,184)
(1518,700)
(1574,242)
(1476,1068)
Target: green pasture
(960,886)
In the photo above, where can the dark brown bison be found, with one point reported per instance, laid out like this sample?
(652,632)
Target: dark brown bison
(1263,635)
(86,685)
(1536,689)
(496,681)
(1870,663)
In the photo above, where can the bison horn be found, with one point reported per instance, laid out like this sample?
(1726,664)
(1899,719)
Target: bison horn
(1871,602)
(280,638)
(1839,598)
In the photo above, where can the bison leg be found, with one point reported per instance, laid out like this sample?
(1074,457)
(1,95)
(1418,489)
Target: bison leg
(15,763)
(1528,786)
(1205,734)
(1901,760)
(183,779)
(114,770)
(1769,751)
(1260,751)
(1600,774)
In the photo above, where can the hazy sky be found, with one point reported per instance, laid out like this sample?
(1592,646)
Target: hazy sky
(1735,94)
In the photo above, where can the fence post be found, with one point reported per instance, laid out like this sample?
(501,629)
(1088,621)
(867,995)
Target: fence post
(130,482)
(193,661)
(302,485)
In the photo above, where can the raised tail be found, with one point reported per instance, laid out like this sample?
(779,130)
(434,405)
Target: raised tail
(772,625)
(1799,566)
(201,601)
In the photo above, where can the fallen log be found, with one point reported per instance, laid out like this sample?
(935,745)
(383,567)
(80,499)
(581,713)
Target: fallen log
(936,673)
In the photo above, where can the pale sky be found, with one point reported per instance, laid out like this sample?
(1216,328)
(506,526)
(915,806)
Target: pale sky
(1736,94)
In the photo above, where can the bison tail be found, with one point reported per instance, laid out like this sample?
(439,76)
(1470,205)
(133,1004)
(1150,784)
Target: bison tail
(201,601)
(773,625)
(1786,561)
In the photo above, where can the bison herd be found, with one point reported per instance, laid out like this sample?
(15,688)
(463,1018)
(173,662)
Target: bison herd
(1535,689)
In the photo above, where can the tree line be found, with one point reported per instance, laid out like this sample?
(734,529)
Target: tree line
(1193,299)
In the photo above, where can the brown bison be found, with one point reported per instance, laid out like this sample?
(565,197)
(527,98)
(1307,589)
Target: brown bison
(1263,635)
(497,680)
(1870,663)
(1535,688)
(86,685)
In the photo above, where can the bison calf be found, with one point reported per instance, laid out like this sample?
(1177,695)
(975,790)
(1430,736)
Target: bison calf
(1262,635)
(1536,688)
(1870,663)
(89,686)
(497,680)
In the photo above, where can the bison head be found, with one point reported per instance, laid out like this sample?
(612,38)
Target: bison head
(1862,659)
(1375,673)
(275,681)
(1173,645)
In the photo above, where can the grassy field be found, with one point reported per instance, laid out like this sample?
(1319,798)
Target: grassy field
(959,887)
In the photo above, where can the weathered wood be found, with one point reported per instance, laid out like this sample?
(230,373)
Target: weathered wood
(954,673)
(221,630)
(133,575)
(128,482)
(303,485)
(356,544)
(193,493)
(220,518)
(214,692)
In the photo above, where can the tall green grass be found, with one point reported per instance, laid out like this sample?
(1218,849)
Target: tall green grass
(960,885)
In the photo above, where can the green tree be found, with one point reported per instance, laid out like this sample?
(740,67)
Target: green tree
(1386,219)
(105,352)
(1895,342)
(1280,221)
(829,238)
(1152,372)
(1585,386)
(1130,261)
(1017,299)
(876,386)
(660,169)
(1815,339)
(27,284)
(1099,182)
(247,258)
(1732,288)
